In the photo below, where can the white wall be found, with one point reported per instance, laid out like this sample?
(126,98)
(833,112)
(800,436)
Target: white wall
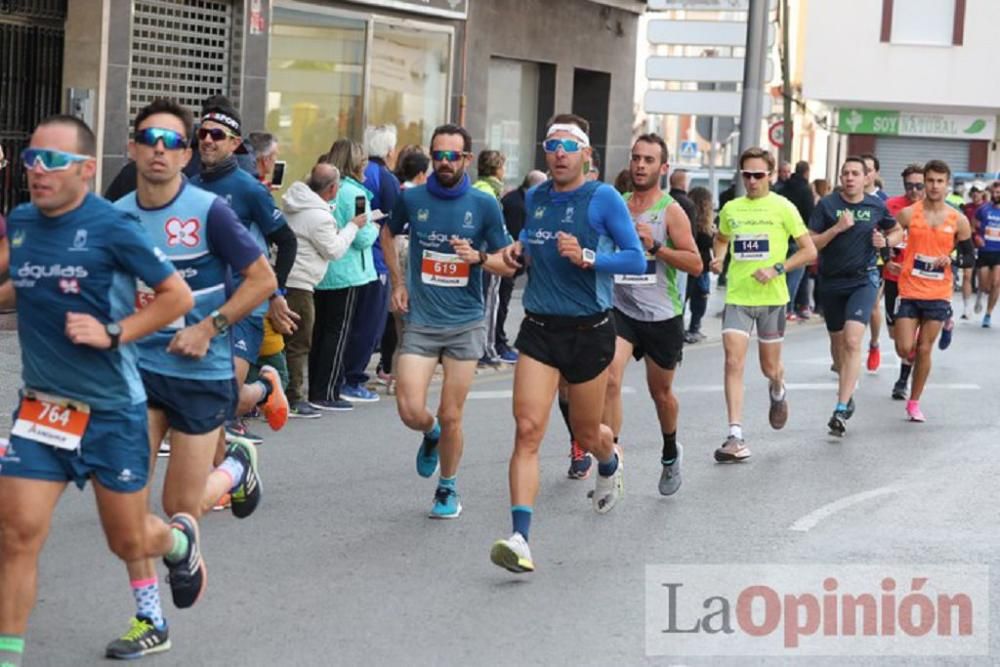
(846,63)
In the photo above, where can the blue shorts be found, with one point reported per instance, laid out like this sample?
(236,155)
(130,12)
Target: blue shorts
(114,449)
(191,406)
(849,304)
(937,310)
(248,334)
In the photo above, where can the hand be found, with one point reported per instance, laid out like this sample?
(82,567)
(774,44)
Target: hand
(645,231)
(400,299)
(284,320)
(513,255)
(464,250)
(978,240)
(942,261)
(845,222)
(716,265)
(192,341)
(878,239)
(570,248)
(84,329)
(765,276)
(360,220)
(894,268)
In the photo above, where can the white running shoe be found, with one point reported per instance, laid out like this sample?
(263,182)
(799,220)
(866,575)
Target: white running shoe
(512,554)
(609,490)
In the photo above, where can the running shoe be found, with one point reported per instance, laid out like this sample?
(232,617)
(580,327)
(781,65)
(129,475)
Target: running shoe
(355,393)
(692,337)
(427,456)
(237,430)
(913,412)
(224,503)
(189,576)
(609,490)
(275,408)
(733,450)
(849,412)
(488,362)
(246,493)
(446,504)
(508,356)
(874,358)
(580,462)
(302,410)
(945,340)
(670,477)
(512,554)
(838,423)
(805,313)
(337,405)
(142,638)
(987,321)
(777,415)
(899,390)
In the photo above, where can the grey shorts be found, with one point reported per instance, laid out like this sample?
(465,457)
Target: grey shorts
(466,343)
(769,320)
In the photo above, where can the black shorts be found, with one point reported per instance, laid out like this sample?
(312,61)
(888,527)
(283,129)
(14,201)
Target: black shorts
(193,407)
(937,310)
(891,295)
(662,341)
(987,260)
(579,347)
(855,304)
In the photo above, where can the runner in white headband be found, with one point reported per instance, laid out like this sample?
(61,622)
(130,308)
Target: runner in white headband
(578,133)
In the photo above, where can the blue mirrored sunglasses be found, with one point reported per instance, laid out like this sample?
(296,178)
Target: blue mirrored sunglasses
(50,160)
(172,141)
(568,145)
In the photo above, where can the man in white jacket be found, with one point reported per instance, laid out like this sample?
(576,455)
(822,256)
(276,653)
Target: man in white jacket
(307,210)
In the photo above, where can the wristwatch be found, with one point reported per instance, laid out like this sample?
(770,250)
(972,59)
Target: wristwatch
(114,331)
(589,256)
(220,322)
(482,257)
(655,248)
(281,291)
(779,268)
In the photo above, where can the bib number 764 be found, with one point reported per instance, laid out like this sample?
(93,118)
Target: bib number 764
(51,420)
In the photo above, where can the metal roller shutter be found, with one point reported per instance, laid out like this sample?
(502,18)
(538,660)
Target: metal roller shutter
(895,153)
(183,49)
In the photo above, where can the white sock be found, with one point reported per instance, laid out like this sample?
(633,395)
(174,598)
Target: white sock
(736,431)
(778,395)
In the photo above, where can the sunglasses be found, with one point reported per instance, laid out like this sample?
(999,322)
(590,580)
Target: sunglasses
(447,156)
(50,160)
(913,186)
(568,145)
(754,175)
(172,141)
(217,133)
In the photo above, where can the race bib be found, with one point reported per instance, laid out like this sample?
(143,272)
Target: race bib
(647,278)
(923,267)
(144,295)
(443,270)
(749,247)
(992,233)
(52,420)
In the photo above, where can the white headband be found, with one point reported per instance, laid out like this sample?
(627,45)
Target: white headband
(572,129)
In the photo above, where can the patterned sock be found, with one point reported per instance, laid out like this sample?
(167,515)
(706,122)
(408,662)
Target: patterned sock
(11,650)
(147,601)
(179,550)
(234,468)
(669,448)
(608,468)
(521,515)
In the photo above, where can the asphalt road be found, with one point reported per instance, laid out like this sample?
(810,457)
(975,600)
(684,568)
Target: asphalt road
(340,565)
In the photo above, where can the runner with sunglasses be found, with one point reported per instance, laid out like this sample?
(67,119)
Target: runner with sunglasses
(187,367)
(82,409)
(452,227)
(850,229)
(755,229)
(218,139)
(568,245)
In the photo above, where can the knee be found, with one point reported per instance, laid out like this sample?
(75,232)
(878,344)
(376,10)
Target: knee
(663,397)
(852,343)
(529,432)
(410,412)
(614,387)
(127,546)
(450,418)
(19,537)
(735,364)
(924,348)
(771,369)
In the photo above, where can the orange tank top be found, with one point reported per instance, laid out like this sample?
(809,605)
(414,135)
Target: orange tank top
(920,279)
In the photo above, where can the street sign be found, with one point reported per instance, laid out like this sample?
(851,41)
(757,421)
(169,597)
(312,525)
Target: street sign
(666,68)
(688,151)
(776,134)
(702,33)
(704,5)
(694,102)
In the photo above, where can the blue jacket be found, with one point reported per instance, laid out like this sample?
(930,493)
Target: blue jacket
(357,266)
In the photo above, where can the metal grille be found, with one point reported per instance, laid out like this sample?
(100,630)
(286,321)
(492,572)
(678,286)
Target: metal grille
(895,153)
(38,9)
(180,49)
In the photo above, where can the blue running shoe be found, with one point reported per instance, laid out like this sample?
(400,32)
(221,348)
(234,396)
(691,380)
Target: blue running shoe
(446,504)
(427,457)
(508,356)
(986,321)
(945,340)
(355,393)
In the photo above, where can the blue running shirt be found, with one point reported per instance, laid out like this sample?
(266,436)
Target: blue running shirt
(988,220)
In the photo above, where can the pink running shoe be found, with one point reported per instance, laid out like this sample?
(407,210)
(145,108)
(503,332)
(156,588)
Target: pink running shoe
(913,411)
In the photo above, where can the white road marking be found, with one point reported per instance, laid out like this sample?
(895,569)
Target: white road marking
(477,395)
(712,388)
(810,521)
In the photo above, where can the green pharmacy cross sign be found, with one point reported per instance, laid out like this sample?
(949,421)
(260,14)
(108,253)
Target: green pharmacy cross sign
(906,124)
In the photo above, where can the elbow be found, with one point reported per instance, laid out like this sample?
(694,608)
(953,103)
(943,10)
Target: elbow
(811,254)
(183,301)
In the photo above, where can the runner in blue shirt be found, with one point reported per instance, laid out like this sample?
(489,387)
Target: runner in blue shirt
(452,227)
(187,367)
(988,259)
(82,410)
(577,235)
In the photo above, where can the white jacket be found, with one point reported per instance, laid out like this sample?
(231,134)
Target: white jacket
(320,241)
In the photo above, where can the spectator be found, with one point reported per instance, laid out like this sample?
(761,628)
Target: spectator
(265,149)
(491,174)
(623,181)
(821,188)
(336,294)
(401,155)
(320,241)
(699,288)
(678,190)
(797,191)
(784,173)
(725,197)
(594,170)
(873,178)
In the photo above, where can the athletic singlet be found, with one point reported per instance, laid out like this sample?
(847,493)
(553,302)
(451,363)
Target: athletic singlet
(920,280)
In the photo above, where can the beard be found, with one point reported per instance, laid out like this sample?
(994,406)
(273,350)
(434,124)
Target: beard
(449,180)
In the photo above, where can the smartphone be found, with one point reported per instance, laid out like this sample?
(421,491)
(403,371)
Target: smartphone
(278,175)
(359,205)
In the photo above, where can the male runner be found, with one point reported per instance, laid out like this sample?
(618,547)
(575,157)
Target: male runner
(649,307)
(913,187)
(874,360)
(755,229)
(568,245)
(187,367)
(988,262)
(441,297)
(849,229)
(934,230)
(82,410)
(218,139)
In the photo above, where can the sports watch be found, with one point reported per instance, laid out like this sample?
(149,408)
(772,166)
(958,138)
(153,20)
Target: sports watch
(779,268)
(655,248)
(114,331)
(220,322)
(589,256)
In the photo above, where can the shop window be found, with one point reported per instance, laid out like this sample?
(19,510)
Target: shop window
(512,120)
(923,22)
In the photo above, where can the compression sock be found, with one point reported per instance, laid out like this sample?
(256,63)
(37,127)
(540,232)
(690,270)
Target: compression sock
(904,372)
(147,601)
(234,469)
(669,448)
(179,550)
(608,468)
(564,409)
(521,516)
(11,650)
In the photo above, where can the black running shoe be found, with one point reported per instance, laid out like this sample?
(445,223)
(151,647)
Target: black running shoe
(141,639)
(899,391)
(246,493)
(849,412)
(188,577)
(838,423)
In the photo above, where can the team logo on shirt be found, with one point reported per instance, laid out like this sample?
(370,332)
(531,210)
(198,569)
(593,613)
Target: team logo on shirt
(468,220)
(423,215)
(539,212)
(183,233)
(568,216)
(80,240)
(17,240)
(69,285)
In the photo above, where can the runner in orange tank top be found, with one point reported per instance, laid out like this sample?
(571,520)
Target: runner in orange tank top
(934,230)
